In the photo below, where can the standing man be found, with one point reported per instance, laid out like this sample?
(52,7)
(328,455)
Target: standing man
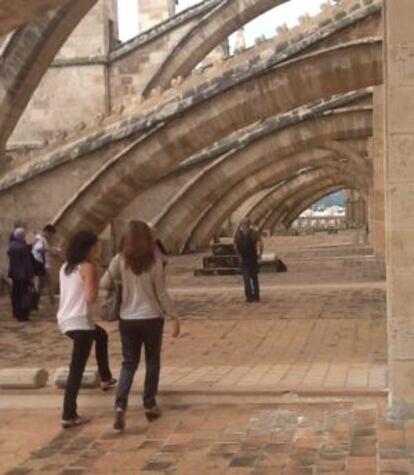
(21,274)
(248,245)
(43,252)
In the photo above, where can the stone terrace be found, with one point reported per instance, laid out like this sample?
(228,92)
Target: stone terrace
(312,353)
(320,326)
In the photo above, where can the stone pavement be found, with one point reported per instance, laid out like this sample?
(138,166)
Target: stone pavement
(295,338)
(315,342)
(296,439)
(320,334)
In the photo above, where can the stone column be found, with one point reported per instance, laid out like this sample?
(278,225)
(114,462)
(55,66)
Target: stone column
(349,210)
(152,12)
(399,212)
(378,162)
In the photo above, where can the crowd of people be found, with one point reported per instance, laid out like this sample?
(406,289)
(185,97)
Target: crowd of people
(30,269)
(144,303)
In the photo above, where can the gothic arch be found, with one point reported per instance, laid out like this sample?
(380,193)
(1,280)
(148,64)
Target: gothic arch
(334,71)
(212,182)
(27,57)
(210,222)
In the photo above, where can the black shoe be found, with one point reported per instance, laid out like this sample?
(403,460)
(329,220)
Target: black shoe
(153,413)
(105,385)
(257,299)
(75,422)
(119,422)
(249,300)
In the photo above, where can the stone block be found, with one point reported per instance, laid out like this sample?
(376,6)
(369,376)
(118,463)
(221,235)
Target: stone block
(401,337)
(221,249)
(401,149)
(401,399)
(400,240)
(221,262)
(90,378)
(401,110)
(400,292)
(23,378)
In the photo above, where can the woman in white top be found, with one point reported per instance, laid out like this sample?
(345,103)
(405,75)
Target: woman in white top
(145,303)
(79,289)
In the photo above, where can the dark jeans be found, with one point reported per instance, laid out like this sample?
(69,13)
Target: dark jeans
(19,291)
(82,345)
(134,334)
(251,282)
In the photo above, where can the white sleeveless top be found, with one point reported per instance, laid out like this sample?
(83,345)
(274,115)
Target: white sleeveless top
(73,309)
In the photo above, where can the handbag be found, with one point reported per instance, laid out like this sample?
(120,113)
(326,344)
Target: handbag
(30,299)
(111,305)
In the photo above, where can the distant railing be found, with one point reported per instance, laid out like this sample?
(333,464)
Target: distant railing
(320,222)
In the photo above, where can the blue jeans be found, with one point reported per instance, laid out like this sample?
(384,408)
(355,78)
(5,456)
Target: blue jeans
(251,283)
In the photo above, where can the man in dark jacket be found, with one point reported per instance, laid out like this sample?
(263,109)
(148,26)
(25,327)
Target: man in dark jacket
(249,246)
(21,274)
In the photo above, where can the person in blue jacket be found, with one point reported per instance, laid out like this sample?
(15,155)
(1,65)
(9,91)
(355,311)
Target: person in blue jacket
(21,274)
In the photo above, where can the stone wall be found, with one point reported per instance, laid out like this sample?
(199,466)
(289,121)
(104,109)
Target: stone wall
(90,79)
(150,13)
(75,88)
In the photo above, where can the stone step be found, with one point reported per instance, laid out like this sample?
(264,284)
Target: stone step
(221,262)
(223,249)
(275,265)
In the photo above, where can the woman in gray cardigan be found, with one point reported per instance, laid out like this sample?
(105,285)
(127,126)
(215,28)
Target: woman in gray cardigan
(145,304)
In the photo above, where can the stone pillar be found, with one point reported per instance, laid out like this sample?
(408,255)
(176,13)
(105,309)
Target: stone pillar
(399,212)
(348,210)
(378,162)
(152,12)
(354,210)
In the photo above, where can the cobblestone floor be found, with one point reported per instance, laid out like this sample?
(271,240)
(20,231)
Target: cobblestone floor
(322,334)
(330,337)
(321,326)
(301,439)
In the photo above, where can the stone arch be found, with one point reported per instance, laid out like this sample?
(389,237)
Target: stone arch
(280,206)
(334,71)
(211,220)
(212,30)
(232,15)
(261,212)
(312,196)
(301,195)
(27,56)
(13,16)
(212,183)
(274,218)
(260,207)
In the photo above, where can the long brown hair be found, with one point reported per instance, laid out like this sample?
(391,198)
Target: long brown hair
(138,248)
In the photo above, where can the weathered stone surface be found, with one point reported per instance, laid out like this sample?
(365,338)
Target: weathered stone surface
(17,13)
(399,133)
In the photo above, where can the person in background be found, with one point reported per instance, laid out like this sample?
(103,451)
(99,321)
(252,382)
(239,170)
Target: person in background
(145,303)
(17,224)
(21,274)
(78,291)
(43,252)
(159,246)
(249,247)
